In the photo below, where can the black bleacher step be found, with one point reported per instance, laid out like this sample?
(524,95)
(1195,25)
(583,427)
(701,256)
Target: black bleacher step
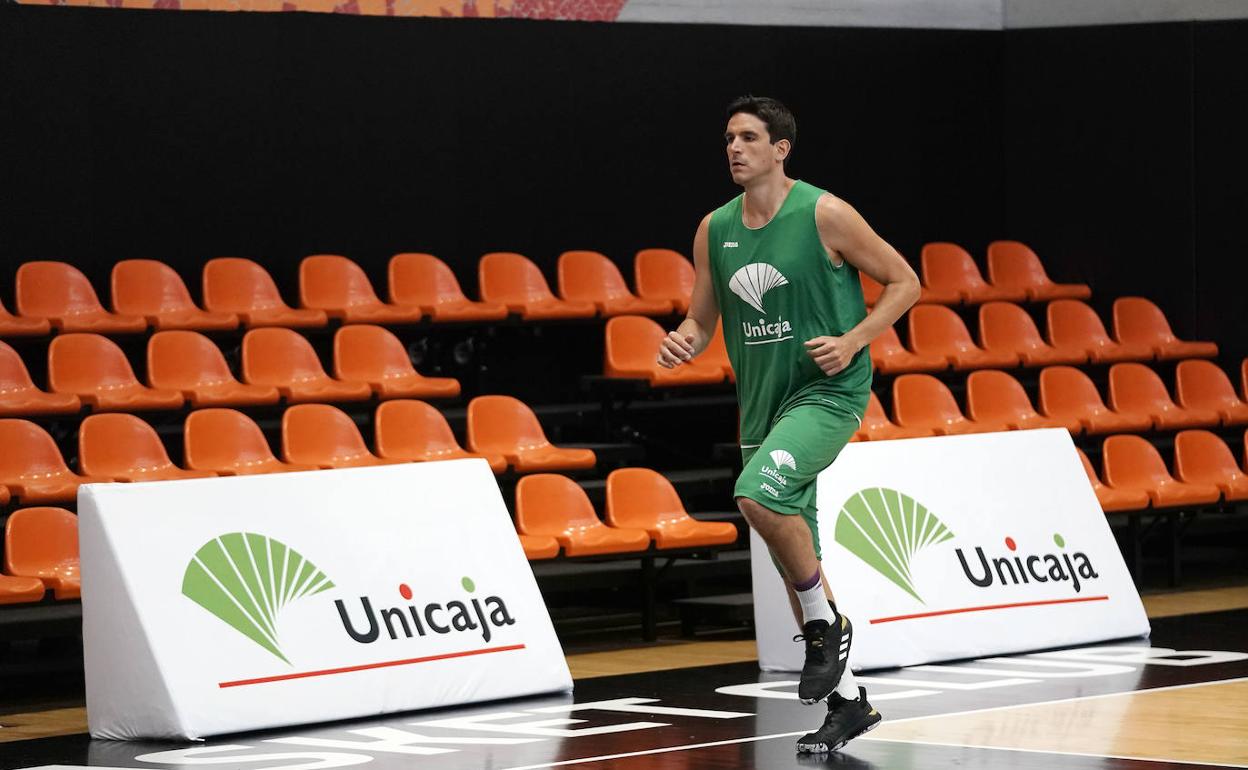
(722,609)
(562,575)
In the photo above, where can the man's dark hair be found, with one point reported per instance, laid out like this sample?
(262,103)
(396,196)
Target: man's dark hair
(780,122)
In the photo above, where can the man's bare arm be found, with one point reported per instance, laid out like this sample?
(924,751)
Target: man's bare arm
(694,333)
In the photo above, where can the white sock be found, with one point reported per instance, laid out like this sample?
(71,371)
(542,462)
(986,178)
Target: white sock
(847,688)
(815,604)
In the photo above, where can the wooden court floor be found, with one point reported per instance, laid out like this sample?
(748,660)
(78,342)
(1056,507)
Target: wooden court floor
(1177,699)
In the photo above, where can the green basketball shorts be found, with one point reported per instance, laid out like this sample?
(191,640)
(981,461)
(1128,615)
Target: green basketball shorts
(780,473)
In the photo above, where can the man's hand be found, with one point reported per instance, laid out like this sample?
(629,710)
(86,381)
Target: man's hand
(831,354)
(675,349)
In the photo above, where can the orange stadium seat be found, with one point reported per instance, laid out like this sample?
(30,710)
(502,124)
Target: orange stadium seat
(236,285)
(632,349)
(190,362)
(1200,457)
(32,468)
(1007,328)
(1131,463)
(93,368)
(338,286)
(888,356)
(516,282)
(664,275)
(18,394)
(4,495)
(996,397)
(16,326)
(502,425)
(1203,385)
(1113,500)
(538,546)
(871,289)
(555,506)
(424,280)
(1136,389)
(938,331)
(324,435)
(716,353)
(1139,322)
(125,448)
(42,543)
(60,293)
(922,401)
(877,427)
(1014,265)
(415,431)
(948,269)
(1243,379)
(1068,394)
(639,498)
(149,288)
(230,443)
(1074,325)
(21,590)
(588,276)
(372,354)
(285,360)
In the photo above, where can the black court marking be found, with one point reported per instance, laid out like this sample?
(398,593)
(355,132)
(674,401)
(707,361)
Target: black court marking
(717,716)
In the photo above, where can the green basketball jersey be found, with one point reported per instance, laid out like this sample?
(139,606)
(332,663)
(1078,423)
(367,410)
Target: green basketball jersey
(777,288)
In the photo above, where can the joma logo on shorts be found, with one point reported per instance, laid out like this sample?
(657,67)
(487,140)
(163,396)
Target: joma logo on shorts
(769,489)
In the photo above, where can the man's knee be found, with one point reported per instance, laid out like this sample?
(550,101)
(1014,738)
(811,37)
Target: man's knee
(762,519)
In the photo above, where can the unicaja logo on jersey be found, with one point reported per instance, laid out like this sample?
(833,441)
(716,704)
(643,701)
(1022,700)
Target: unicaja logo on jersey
(752,282)
(246,580)
(885,529)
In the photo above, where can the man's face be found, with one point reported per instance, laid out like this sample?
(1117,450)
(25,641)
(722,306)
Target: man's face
(750,151)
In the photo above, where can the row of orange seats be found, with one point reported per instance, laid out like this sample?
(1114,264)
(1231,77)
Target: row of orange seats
(552,514)
(1136,476)
(1138,401)
(148,292)
(187,366)
(1009,338)
(122,447)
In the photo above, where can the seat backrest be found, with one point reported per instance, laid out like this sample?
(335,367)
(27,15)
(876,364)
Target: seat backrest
(1201,456)
(509,277)
(550,504)
(276,356)
(1074,324)
(14,376)
(716,350)
(83,363)
(1014,264)
(368,353)
(875,415)
(117,444)
(639,498)
(54,290)
(1136,386)
(421,279)
(237,285)
(887,343)
(502,424)
(1138,321)
(588,276)
(632,342)
(185,360)
(992,394)
(949,266)
(921,398)
(663,274)
(148,287)
(27,450)
(41,542)
(1066,390)
(1243,379)
(1132,461)
(1203,384)
(320,434)
(218,439)
(936,328)
(406,428)
(333,282)
(1006,325)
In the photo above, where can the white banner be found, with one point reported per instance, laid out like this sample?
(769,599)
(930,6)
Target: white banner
(958,547)
(213,606)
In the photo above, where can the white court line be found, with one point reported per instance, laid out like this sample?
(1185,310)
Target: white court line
(755,738)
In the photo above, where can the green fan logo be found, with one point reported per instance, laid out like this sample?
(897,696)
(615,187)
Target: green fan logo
(246,579)
(885,529)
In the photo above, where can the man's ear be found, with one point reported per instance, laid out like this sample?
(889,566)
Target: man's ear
(783,147)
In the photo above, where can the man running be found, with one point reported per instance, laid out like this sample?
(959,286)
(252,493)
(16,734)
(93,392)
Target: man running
(780,262)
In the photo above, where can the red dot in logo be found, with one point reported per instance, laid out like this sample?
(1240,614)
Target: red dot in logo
(405,591)
(1009,543)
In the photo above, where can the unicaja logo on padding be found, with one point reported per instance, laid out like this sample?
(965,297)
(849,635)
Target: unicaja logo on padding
(246,579)
(885,529)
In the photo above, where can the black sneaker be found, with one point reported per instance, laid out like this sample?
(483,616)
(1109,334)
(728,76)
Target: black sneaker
(846,720)
(827,653)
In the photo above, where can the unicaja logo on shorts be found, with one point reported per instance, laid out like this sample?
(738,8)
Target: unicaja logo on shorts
(246,579)
(885,529)
(753,281)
